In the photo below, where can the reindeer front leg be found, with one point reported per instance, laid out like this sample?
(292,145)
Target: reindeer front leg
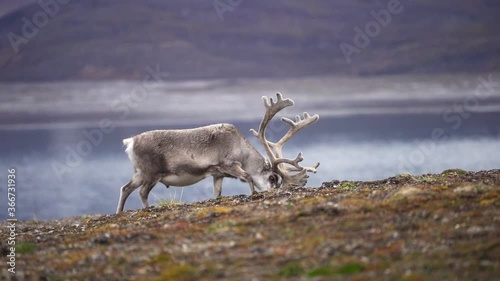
(234,169)
(218,186)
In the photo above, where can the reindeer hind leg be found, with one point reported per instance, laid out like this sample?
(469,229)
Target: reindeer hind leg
(125,191)
(144,192)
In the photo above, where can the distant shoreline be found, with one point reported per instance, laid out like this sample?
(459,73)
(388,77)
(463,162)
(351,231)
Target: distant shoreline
(371,125)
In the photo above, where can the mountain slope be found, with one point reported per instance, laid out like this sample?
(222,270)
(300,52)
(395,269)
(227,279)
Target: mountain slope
(114,39)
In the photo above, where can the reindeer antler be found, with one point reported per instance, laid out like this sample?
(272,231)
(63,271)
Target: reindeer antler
(274,150)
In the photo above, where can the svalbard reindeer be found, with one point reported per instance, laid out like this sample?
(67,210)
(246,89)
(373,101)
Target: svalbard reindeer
(185,157)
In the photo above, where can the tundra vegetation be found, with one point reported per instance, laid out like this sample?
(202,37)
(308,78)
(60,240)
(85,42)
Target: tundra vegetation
(430,227)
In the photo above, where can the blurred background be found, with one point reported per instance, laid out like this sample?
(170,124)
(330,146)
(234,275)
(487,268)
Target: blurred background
(401,87)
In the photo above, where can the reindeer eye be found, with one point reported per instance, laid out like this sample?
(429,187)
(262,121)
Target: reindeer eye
(272,179)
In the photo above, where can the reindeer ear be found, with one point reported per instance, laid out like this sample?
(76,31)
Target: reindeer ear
(267,165)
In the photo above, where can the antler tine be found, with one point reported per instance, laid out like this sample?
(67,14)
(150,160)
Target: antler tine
(297,125)
(281,165)
(295,162)
(272,108)
(307,169)
(279,104)
(296,167)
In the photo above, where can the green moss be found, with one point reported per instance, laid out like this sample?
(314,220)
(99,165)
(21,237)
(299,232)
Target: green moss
(347,185)
(479,187)
(291,269)
(454,172)
(289,233)
(428,179)
(404,176)
(25,248)
(167,203)
(350,268)
(177,273)
(321,270)
(160,258)
(221,225)
(326,270)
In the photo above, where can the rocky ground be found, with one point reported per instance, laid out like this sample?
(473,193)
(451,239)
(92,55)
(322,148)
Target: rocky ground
(429,227)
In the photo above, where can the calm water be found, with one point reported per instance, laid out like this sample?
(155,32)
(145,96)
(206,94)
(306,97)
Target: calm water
(369,129)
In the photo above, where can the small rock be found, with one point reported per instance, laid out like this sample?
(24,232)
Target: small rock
(257,250)
(408,191)
(103,239)
(143,270)
(330,209)
(474,230)
(467,190)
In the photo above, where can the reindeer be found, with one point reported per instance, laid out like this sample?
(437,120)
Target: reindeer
(185,157)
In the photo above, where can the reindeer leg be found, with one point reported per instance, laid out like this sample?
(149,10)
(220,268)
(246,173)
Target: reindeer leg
(234,169)
(125,192)
(218,186)
(252,189)
(144,192)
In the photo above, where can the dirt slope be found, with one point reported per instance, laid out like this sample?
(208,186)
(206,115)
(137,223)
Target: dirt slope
(430,227)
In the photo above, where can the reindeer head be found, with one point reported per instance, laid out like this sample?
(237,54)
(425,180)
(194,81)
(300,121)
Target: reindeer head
(291,172)
(266,178)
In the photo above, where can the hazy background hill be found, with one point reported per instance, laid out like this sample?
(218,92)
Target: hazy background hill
(111,39)
(11,5)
